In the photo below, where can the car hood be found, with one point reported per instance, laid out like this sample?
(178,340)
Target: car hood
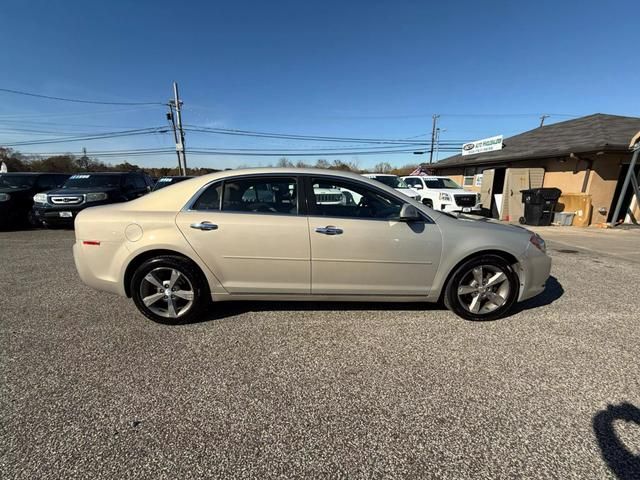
(486,224)
(410,192)
(451,191)
(19,190)
(81,191)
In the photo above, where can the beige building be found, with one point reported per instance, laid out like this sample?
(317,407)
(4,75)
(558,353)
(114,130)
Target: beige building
(588,156)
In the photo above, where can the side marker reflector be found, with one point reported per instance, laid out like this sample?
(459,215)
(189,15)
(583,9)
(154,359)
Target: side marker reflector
(91,242)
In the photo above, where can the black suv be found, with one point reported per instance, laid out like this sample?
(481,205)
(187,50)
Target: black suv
(166,181)
(17,191)
(82,190)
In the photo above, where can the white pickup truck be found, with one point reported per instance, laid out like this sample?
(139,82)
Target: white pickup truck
(442,193)
(394,182)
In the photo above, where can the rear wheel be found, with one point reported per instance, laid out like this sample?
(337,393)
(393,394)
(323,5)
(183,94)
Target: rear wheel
(428,202)
(482,288)
(170,290)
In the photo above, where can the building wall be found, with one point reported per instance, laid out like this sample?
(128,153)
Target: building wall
(568,174)
(602,185)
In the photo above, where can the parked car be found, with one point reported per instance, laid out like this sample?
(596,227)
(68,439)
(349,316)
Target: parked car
(59,207)
(395,182)
(176,250)
(166,181)
(442,193)
(17,191)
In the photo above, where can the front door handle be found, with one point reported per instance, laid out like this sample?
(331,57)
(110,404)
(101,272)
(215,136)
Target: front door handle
(329,230)
(204,226)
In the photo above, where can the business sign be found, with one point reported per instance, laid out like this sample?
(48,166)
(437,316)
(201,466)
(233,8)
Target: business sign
(485,145)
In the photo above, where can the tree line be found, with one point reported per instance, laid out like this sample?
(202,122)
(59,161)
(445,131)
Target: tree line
(68,163)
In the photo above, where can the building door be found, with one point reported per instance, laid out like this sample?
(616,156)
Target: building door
(486,188)
(518,179)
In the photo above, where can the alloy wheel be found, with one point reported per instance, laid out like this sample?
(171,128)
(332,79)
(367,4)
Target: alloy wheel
(483,289)
(167,292)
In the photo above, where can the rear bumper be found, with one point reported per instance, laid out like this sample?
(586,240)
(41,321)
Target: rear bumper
(95,265)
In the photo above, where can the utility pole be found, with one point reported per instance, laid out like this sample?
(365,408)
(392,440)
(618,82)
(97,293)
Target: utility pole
(178,131)
(542,118)
(433,136)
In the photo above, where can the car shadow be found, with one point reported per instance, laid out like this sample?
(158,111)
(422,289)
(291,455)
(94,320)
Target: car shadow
(622,462)
(223,310)
(552,292)
(234,308)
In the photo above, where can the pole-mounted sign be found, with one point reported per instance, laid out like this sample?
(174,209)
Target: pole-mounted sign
(485,145)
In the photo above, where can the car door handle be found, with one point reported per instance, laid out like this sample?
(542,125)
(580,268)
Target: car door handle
(204,226)
(329,230)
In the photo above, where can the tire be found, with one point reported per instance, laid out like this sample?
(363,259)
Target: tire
(522,221)
(152,282)
(482,302)
(428,202)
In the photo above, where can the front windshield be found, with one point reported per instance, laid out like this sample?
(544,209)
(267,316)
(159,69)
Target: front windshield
(90,181)
(391,181)
(442,183)
(17,181)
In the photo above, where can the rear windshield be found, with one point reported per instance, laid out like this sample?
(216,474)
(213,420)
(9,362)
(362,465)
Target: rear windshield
(17,181)
(441,183)
(87,180)
(166,181)
(391,181)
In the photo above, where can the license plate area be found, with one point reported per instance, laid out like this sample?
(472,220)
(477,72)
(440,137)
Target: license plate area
(466,209)
(66,214)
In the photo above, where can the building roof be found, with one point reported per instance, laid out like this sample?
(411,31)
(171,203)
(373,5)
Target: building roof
(597,132)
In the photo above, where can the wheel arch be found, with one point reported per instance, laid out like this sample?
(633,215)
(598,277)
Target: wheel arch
(148,254)
(509,257)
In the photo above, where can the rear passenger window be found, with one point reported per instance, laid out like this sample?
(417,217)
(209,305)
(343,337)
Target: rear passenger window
(210,198)
(275,195)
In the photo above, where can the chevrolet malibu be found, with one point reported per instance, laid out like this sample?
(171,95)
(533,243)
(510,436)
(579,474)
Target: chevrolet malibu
(263,234)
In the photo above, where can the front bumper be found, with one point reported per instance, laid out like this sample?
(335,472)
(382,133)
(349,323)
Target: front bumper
(453,208)
(535,268)
(52,214)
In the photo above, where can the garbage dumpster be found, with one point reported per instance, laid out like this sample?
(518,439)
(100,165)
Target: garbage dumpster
(539,204)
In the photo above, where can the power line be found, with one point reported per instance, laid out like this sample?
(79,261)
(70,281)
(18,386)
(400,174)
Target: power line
(99,136)
(75,100)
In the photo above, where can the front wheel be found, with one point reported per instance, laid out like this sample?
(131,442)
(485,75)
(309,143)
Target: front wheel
(427,202)
(170,290)
(482,288)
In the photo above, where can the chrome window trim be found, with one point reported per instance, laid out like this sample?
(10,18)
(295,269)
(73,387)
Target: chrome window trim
(188,207)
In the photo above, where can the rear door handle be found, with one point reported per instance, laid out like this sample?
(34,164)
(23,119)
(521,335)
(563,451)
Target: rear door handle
(204,226)
(329,230)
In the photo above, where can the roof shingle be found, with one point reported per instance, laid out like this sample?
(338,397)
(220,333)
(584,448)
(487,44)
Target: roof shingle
(597,132)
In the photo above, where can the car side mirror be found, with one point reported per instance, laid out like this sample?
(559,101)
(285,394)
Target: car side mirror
(409,213)
(418,187)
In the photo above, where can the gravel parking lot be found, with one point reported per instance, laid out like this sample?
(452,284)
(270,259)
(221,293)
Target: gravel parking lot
(91,389)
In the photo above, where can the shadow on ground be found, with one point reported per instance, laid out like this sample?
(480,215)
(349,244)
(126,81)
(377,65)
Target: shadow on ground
(552,292)
(622,462)
(223,310)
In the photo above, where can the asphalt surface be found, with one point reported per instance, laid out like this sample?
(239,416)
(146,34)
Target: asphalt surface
(89,388)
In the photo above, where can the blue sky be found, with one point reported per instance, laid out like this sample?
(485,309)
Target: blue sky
(337,68)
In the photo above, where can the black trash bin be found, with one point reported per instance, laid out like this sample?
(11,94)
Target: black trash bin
(539,204)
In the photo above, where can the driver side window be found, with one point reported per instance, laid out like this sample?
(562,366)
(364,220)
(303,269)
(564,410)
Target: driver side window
(338,198)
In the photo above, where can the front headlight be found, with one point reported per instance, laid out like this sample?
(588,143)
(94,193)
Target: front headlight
(40,198)
(538,242)
(445,196)
(96,197)
(4,197)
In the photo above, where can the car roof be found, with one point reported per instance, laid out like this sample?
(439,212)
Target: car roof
(34,173)
(380,174)
(181,193)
